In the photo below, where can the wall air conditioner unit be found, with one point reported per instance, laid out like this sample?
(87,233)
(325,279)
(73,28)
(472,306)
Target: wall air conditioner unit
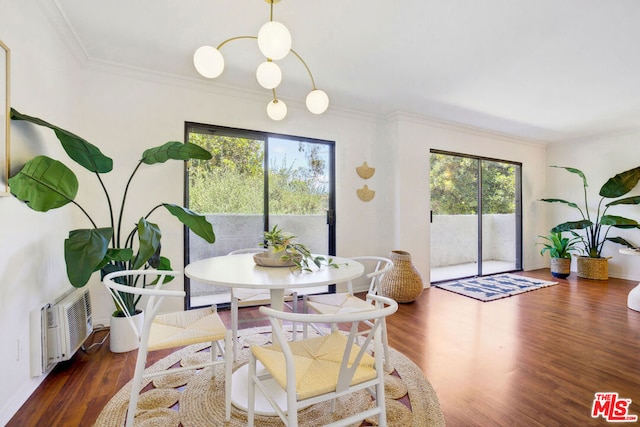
(63,326)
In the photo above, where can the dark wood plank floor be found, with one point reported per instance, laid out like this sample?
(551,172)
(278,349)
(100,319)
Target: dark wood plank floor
(535,359)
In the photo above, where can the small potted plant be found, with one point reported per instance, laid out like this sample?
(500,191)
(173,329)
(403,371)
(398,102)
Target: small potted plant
(595,229)
(559,249)
(284,248)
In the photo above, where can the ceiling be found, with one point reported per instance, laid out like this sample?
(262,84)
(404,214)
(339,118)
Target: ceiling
(545,70)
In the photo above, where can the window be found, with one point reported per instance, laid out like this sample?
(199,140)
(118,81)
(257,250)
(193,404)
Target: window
(256,180)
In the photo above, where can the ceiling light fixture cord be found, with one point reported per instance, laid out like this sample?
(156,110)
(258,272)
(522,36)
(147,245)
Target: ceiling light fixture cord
(274,41)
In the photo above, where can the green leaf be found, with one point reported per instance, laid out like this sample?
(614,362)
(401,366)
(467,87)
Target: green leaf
(44,183)
(83,251)
(174,150)
(576,171)
(621,184)
(196,223)
(164,264)
(618,221)
(572,225)
(621,241)
(149,235)
(115,256)
(80,150)
(120,255)
(634,200)
(571,204)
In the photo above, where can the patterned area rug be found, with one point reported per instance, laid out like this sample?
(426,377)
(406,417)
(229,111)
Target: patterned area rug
(197,400)
(491,288)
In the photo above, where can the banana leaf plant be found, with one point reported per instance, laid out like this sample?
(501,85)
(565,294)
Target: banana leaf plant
(44,183)
(596,228)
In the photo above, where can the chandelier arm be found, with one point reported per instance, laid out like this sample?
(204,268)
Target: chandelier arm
(235,38)
(313,83)
(275,97)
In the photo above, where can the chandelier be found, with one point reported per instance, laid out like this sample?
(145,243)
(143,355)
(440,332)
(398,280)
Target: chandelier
(274,41)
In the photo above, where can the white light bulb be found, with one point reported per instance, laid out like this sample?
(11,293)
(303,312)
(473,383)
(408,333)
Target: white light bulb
(208,61)
(269,75)
(317,101)
(277,109)
(274,40)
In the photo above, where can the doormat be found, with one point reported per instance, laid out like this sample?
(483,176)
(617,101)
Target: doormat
(494,287)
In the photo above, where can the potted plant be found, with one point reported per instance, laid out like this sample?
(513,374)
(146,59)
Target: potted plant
(44,184)
(559,249)
(285,247)
(591,264)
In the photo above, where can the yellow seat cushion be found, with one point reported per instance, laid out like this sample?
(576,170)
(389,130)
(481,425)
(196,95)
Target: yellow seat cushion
(317,364)
(185,328)
(338,303)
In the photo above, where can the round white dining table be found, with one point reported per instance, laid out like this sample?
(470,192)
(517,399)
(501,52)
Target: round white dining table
(242,272)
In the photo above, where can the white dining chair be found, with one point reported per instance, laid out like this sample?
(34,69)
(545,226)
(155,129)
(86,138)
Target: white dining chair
(245,297)
(162,331)
(324,367)
(344,302)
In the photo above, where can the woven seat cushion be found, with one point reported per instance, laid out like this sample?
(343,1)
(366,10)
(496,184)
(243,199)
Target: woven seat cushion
(317,364)
(185,328)
(338,303)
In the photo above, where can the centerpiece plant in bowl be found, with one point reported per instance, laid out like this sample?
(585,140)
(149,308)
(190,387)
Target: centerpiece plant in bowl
(595,229)
(286,250)
(44,183)
(559,249)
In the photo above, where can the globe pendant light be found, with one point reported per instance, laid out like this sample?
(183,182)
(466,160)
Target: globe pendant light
(317,101)
(274,41)
(208,61)
(277,109)
(269,75)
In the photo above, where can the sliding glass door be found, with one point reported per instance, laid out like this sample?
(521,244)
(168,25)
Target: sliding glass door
(476,216)
(254,182)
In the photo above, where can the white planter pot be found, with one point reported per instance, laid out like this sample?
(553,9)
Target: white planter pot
(122,337)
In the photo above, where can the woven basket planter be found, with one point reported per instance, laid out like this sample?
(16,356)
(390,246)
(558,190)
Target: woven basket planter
(403,283)
(593,268)
(560,267)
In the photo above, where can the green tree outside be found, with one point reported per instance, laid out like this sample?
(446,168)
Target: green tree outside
(454,186)
(233,180)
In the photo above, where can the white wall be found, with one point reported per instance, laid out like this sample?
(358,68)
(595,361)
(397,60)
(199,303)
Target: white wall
(43,78)
(600,158)
(414,137)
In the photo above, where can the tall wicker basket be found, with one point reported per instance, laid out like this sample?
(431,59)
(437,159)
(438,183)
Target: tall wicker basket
(593,268)
(403,283)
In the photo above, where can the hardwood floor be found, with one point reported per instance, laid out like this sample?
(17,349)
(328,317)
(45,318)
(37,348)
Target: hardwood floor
(535,359)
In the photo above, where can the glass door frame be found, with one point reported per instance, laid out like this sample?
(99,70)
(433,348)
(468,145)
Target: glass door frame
(518,210)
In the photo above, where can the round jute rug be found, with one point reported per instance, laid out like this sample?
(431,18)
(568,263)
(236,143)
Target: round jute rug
(197,400)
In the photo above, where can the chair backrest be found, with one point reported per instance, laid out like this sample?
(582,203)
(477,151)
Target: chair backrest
(383,307)
(247,251)
(375,268)
(154,294)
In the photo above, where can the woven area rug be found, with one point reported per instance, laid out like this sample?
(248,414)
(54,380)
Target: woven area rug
(491,288)
(197,400)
